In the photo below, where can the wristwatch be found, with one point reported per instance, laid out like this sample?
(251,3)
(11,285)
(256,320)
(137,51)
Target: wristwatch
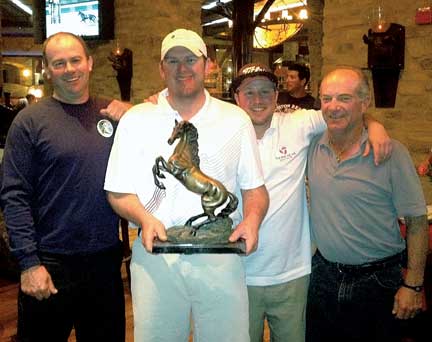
(417,288)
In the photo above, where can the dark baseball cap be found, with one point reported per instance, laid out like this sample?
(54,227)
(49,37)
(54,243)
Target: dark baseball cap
(253,70)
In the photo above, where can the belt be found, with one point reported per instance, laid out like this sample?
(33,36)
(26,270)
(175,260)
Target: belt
(368,267)
(117,249)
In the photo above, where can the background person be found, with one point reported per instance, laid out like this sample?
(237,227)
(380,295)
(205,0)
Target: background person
(357,292)
(425,166)
(62,230)
(168,289)
(31,99)
(295,97)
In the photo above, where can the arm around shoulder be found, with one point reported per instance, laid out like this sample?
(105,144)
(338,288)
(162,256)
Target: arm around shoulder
(378,138)
(116,109)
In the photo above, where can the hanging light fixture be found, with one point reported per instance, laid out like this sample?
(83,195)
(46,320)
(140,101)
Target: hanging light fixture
(282,21)
(267,37)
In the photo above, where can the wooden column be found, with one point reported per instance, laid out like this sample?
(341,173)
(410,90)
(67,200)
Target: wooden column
(1,58)
(242,33)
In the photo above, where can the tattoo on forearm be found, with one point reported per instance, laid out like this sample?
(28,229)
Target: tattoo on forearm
(416,223)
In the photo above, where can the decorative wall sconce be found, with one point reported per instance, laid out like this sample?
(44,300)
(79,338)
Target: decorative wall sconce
(423,15)
(386,55)
(122,63)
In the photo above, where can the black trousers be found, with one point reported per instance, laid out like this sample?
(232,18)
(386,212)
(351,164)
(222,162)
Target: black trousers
(90,298)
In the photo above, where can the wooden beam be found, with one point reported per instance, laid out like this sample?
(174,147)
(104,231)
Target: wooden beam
(242,33)
(261,14)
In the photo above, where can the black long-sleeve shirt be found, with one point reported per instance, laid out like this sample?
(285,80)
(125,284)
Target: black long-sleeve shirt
(53,172)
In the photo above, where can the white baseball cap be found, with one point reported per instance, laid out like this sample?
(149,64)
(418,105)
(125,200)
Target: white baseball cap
(186,38)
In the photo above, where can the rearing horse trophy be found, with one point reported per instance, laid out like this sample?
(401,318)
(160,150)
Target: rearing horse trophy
(210,235)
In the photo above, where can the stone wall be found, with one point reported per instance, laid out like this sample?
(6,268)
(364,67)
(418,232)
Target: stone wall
(410,121)
(141,26)
(315,35)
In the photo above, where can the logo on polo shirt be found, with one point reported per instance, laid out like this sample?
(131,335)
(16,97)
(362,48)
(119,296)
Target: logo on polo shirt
(283,154)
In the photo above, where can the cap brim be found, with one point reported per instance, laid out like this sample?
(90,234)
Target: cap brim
(195,51)
(239,79)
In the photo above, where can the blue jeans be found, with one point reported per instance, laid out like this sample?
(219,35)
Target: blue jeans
(351,307)
(90,298)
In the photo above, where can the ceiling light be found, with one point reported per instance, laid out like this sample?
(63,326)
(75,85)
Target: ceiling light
(286,16)
(214,4)
(217,21)
(303,14)
(26,73)
(280,5)
(24,7)
(37,92)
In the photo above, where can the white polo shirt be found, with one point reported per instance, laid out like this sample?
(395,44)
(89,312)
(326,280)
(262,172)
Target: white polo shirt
(227,149)
(284,249)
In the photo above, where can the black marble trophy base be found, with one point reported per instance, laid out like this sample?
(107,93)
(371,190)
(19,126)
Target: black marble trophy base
(238,247)
(209,238)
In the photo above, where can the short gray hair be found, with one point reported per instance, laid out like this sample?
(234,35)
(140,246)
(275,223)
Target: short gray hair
(363,90)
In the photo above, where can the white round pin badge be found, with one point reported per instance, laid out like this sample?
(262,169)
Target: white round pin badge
(105,128)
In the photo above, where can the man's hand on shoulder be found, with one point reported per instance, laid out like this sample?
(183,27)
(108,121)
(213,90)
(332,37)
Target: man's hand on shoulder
(37,282)
(116,109)
(379,139)
(152,99)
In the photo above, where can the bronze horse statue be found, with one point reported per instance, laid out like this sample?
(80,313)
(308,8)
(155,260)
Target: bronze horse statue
(184,165)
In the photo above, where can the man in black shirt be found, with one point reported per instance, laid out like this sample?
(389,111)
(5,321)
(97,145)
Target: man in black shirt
(295,97)
(62,230)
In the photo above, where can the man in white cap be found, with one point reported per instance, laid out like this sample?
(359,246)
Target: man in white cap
(170,289)
(277,274)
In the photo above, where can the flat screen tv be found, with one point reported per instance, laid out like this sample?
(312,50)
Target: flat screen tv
(90,19)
